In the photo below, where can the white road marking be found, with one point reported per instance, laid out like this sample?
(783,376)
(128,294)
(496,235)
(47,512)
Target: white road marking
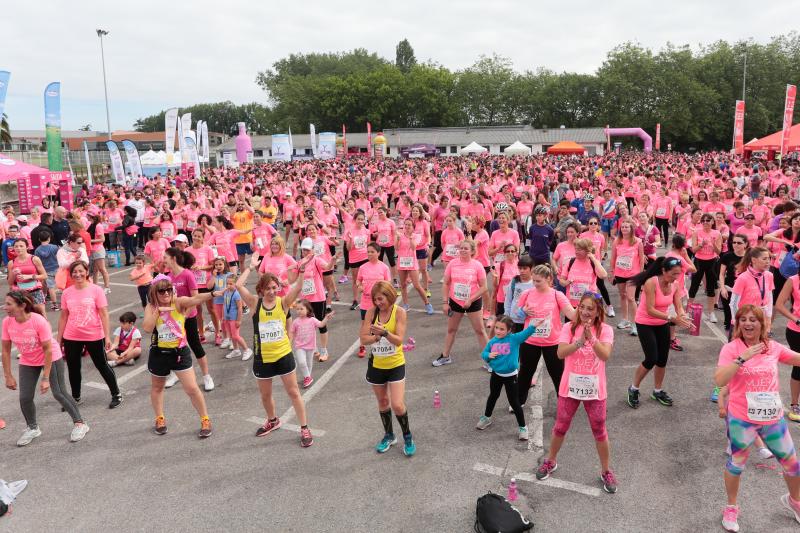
(123,284)
(536,413)
(291,427)
(118,309)
(120,271)
(550,482)
(120,380)
(716,331)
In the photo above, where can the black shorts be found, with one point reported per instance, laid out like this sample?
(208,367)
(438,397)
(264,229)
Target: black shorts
(328,273)
(358,265)
(162,361)
(281,367)
(287,223)
(203,290)
(319,313)
(379,376)
(422,254)
(477,305)
(620,279)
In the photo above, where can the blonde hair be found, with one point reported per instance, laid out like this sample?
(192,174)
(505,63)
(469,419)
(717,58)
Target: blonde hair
(585,245)
(385,288)
(280,242)
(543,271)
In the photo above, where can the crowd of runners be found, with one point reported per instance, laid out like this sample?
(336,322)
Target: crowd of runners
(526,249)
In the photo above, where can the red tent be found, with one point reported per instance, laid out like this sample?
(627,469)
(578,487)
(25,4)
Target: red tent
(772,143)
(566,148)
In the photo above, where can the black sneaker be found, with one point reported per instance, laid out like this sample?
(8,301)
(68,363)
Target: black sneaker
(354,305)
(662,398)
(115,402)
(633,398)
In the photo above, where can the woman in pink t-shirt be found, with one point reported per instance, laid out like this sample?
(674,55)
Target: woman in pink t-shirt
(324,248)
(422,239)
(356,239)
(748,367)
(385,232)
(627,260)
(791,290)
(155,247)
(502,275)
(476,226)
(407,265)
(451,237)
(39,355)
(585,346)
(279,263)
(654,316)
(203,264)
(707,245)
(83,325)
(754,283)
(313,290)
(369,274)
(581,273)
(462,291)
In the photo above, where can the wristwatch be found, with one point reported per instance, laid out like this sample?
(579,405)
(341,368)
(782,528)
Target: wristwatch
(739,361)
(580,343)
(384,333)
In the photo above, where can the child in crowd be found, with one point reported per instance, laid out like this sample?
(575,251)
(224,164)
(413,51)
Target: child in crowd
(142,275)
(7,247)
(502,355)
(126,347)
(46,253)
(303,332)
(217,282)
(232,309)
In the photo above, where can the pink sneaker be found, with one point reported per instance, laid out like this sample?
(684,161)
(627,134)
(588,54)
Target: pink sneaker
(344,279)
(217,340)
(307,381)
(792,505)
(729,518)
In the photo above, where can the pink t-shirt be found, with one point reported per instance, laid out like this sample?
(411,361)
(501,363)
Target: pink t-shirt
(313,288)
(466,279)
(500,239)
(628,262)
(753,288)
(450,241)
(582,276)
(224,241)
(28,337)
(422,234)
(482,248)
(278,265)
(584,376)
(385,229)
(705,251)
(547,306)
(155,249)
(662,303)
(506,271)
(184,284)
(304,332)
(752,234)
(754,389)
(406,253)
(262,237)
(357,250)
(203,257)
(564,252)
(83,305)
(368,275)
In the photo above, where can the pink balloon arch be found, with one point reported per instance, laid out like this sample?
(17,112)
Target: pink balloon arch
(631,132)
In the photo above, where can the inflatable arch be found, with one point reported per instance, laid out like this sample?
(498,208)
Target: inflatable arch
(637,132)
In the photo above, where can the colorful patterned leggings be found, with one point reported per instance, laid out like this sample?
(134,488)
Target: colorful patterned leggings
(776,437)
(595,410)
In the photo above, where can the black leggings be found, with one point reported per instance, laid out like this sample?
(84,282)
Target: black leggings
(662,224)
(793,340)
(529,356)
(655,344)
(387,251)
(779,281)
(193,337)
(726,311)
(707,268)
(496,384)
(129,243)
(73,351)
(601,286)
(437,246)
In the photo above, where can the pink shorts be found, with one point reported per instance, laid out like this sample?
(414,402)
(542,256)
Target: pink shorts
(218,311)
(595,410)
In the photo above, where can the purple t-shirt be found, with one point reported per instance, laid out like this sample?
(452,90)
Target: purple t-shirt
(184,284)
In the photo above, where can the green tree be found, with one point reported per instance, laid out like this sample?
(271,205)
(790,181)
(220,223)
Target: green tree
(404,56)
(220,116)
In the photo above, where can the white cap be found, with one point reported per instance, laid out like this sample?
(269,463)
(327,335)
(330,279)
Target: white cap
(22,218)
(307,244)
(180,237)
(288,193)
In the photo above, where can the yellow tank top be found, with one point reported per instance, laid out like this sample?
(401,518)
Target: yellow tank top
(270,332)
(386,355)
(171,337)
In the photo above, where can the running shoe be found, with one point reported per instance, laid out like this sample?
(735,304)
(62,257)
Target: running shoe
(28,436)
(205,428)
(107,290)
(210,327)
(362,351)
(729,517)
(610,311)
(442,360)
(675,344)
(409,448)
(793,413)
(343,280)
(794,507)
(483,422)
(306,439)
(712,317)
(112,364)
(661,397)
(247,354)
(633,397)
(523,433)
(764,454)
(78,432)
(208,383)
(225,344)
(268,427)
(307,381)
(395,284)
(634,332)
(386,442)
(714,395)
(245,310)
(203,339)
(116,401)
(405,306)
(234,354)
(323,355)
(354,305)
(623,324)
(428,309)
(161,426)
(609,481)
(545,469)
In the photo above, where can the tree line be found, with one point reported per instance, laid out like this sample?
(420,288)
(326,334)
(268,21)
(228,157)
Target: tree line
(690,91)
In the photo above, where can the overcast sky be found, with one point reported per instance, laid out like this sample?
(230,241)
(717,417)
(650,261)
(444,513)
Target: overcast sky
(161,54)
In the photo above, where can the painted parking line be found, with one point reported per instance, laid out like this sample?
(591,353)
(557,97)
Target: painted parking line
(120,271)
(120,380)
(118,309)
(291,427)
(526,476)
(537,417)
(124,284)
(717,332)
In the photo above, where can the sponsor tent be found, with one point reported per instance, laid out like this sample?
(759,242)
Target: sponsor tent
(566,148)
(11,170)
(473,148)
(517,149)
(772,143)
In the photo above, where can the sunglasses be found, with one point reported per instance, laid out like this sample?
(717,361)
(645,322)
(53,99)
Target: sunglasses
(593,223)
(672,262)
(511,251)
(167,290)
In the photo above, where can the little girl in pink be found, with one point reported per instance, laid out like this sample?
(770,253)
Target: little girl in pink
(303,332)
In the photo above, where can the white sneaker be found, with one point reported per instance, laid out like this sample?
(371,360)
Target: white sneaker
(764,453)
(623,324)
(235,354)
(171,380)
(210,327)
(78,432)
(712,317)
(247,354)
(523,433)
(28,436)
(112,364)
(226,343)
(107,290)
(610,311)
(208,383)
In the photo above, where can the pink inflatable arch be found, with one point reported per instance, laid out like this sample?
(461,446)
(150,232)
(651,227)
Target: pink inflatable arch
(638,132)
(243,144)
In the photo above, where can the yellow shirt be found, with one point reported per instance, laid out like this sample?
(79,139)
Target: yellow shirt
(270,213)
(270,328)
(243,221)
(165,336)
(386,355)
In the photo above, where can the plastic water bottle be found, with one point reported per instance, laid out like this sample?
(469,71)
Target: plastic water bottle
(437,400)
(512,490)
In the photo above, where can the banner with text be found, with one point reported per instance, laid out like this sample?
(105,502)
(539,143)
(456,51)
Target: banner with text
(194,159)
(281,149)
(117,168)
(658,137)
(132,154)
(88,163)
(313,139)
(206,149)
(327,145)
(738,128)
(170,125)
(788,113)
(52,124)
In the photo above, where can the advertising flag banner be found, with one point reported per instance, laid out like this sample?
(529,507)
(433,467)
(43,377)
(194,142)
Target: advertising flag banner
(117,168)
(206,149)
(327,145)
(88,162)
(132,154)
(4,77)
(227,159)
(170,125)
(658,137)
(184,128)
(788,113)
(198,137)
(738,127)
(191,147)
(313,139)
(52,124)
(281,149)
(291,142)
(369,139)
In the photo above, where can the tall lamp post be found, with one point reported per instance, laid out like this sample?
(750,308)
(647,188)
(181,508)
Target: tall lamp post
(101,33)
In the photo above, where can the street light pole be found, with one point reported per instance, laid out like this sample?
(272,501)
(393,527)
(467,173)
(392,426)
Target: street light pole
(101,33)
(744,73)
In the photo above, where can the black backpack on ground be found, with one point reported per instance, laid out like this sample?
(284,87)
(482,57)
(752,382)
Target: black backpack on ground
(495,515)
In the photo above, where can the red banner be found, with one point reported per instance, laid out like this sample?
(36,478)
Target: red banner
(658,137)
(738,127)
(788,112)
(369,139)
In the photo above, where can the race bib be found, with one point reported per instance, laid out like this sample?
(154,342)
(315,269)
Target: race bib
(763,406)
(308,287)
(417,239)
(406,262)
(191,224)
(383,240)
(624,262)
(168,234)
(461,291)
(165,334)
(319,248)
(499,258)
(576,290)
(214,251)
(544,329)
(270,331)
(451,250)
(201,277)
(661,212)
(383,348)
(359,242)
(583,387)
(259,243)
